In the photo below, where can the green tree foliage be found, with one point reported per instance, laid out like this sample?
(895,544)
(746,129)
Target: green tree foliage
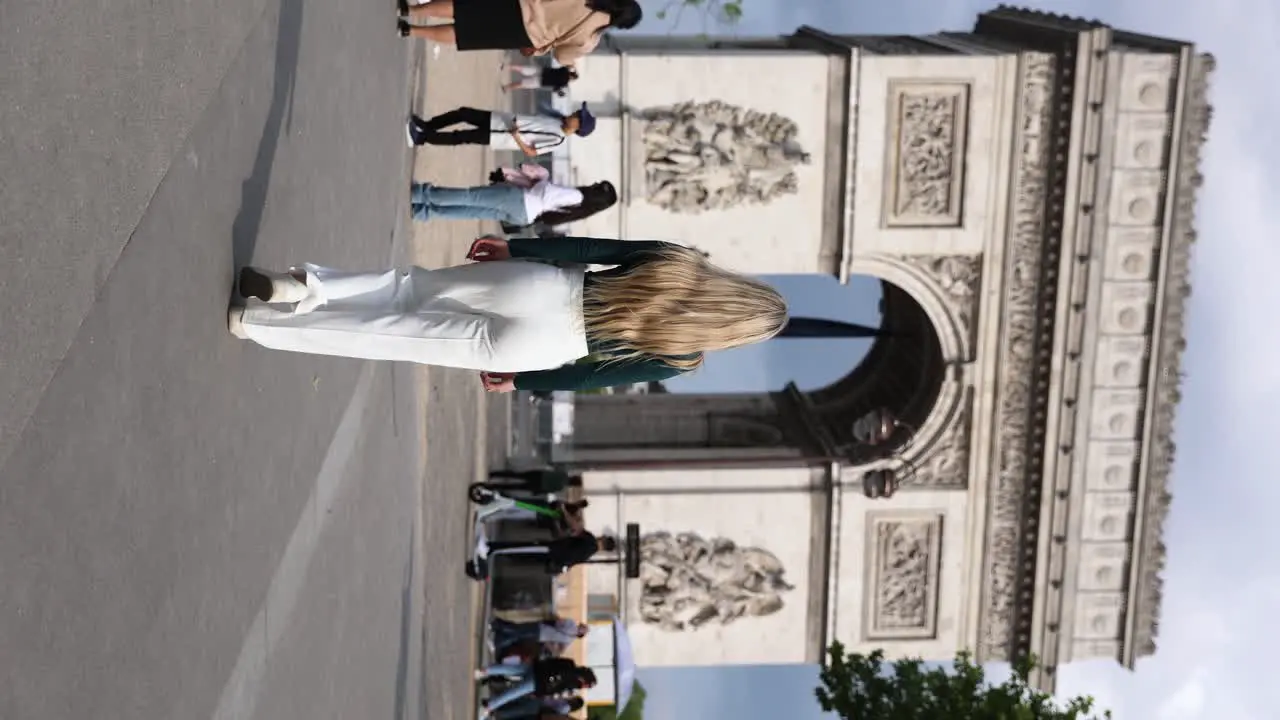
(722,12)
(633,711)
(865,687)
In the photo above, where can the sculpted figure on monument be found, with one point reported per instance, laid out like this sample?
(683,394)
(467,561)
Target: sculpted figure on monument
(713,156)
(688,581)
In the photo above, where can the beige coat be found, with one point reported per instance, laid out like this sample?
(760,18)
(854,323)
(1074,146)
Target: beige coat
(568,27)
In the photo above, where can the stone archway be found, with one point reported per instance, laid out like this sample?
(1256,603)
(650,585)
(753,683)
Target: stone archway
(906,372)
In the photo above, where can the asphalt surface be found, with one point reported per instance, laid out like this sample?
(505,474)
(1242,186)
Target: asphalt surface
(192,526)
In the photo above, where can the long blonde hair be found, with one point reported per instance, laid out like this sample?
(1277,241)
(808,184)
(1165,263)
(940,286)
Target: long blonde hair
(677,303)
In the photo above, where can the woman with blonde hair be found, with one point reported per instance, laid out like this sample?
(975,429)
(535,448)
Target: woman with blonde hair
(525,325)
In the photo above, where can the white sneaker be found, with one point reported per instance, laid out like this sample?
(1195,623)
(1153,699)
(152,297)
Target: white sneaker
(235,322)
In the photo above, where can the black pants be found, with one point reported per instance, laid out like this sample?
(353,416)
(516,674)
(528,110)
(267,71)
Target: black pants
(478,132)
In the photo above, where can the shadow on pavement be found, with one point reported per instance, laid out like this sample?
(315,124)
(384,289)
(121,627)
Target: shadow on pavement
(253,192)
(406,627)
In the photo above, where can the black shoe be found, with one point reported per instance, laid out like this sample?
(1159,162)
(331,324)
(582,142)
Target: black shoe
(414,131)
(477,569)
(403,26)
(254,284)
(402,6)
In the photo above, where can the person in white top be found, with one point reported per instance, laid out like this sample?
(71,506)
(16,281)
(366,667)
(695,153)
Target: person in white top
(553,631)
(532,135)
(519,197)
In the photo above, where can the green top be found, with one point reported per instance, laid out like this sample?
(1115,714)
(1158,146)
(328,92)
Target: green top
(594,373)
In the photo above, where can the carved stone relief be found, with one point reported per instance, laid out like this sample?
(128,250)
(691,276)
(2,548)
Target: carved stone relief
(947,464)
(960,279)
(903,561)
(927,149)
(701,156)
(688,582)
(1017,361)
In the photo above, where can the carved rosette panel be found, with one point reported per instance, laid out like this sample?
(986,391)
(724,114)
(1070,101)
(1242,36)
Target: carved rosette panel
(1013,420)
(689,582)
(927,146)
(701,156)
(904,554)
(959,277)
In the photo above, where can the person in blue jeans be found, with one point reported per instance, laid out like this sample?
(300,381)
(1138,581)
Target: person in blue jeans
(543,678)
(518,202)
(532,708)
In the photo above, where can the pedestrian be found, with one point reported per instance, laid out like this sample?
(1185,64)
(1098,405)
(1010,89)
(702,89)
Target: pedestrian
(558,554)
(543,678)
(554,630)
(532,77)
(542,481)
(532,135)
(525,325)
(569,29)
(533,708)
(516,202)
(559,517)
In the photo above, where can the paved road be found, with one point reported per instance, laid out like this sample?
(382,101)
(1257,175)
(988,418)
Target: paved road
(193,527)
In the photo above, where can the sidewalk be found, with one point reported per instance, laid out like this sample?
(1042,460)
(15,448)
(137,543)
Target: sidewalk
(464,427)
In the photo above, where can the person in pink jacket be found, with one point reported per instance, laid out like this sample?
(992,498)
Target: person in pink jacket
(517,196)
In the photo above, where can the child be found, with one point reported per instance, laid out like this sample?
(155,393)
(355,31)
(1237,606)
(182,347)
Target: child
(532,135)
(556,79)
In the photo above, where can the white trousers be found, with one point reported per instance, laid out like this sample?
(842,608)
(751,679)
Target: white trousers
(508,316)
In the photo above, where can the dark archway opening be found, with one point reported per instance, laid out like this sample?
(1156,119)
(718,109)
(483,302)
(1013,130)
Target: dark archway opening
(902,373)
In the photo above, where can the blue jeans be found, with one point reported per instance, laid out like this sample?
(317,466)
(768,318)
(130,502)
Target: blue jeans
(521,687)
(500,202)
(506,634)
(525,707)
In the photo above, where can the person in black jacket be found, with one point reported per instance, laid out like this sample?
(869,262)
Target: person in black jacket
(559,553)
(544,678)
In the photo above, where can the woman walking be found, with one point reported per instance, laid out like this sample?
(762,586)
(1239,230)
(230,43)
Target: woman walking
(525,197)
(525,325)
(569,28)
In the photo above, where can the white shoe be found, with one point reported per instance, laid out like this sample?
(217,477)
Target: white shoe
(408,133)
(235,322)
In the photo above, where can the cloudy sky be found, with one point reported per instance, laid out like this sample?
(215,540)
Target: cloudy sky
(1222,584)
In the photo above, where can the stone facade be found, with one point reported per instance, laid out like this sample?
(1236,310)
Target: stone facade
(1025,193)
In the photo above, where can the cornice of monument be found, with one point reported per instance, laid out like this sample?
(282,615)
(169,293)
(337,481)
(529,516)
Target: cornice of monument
(1167,391)
(1044,17)
(1019,360)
